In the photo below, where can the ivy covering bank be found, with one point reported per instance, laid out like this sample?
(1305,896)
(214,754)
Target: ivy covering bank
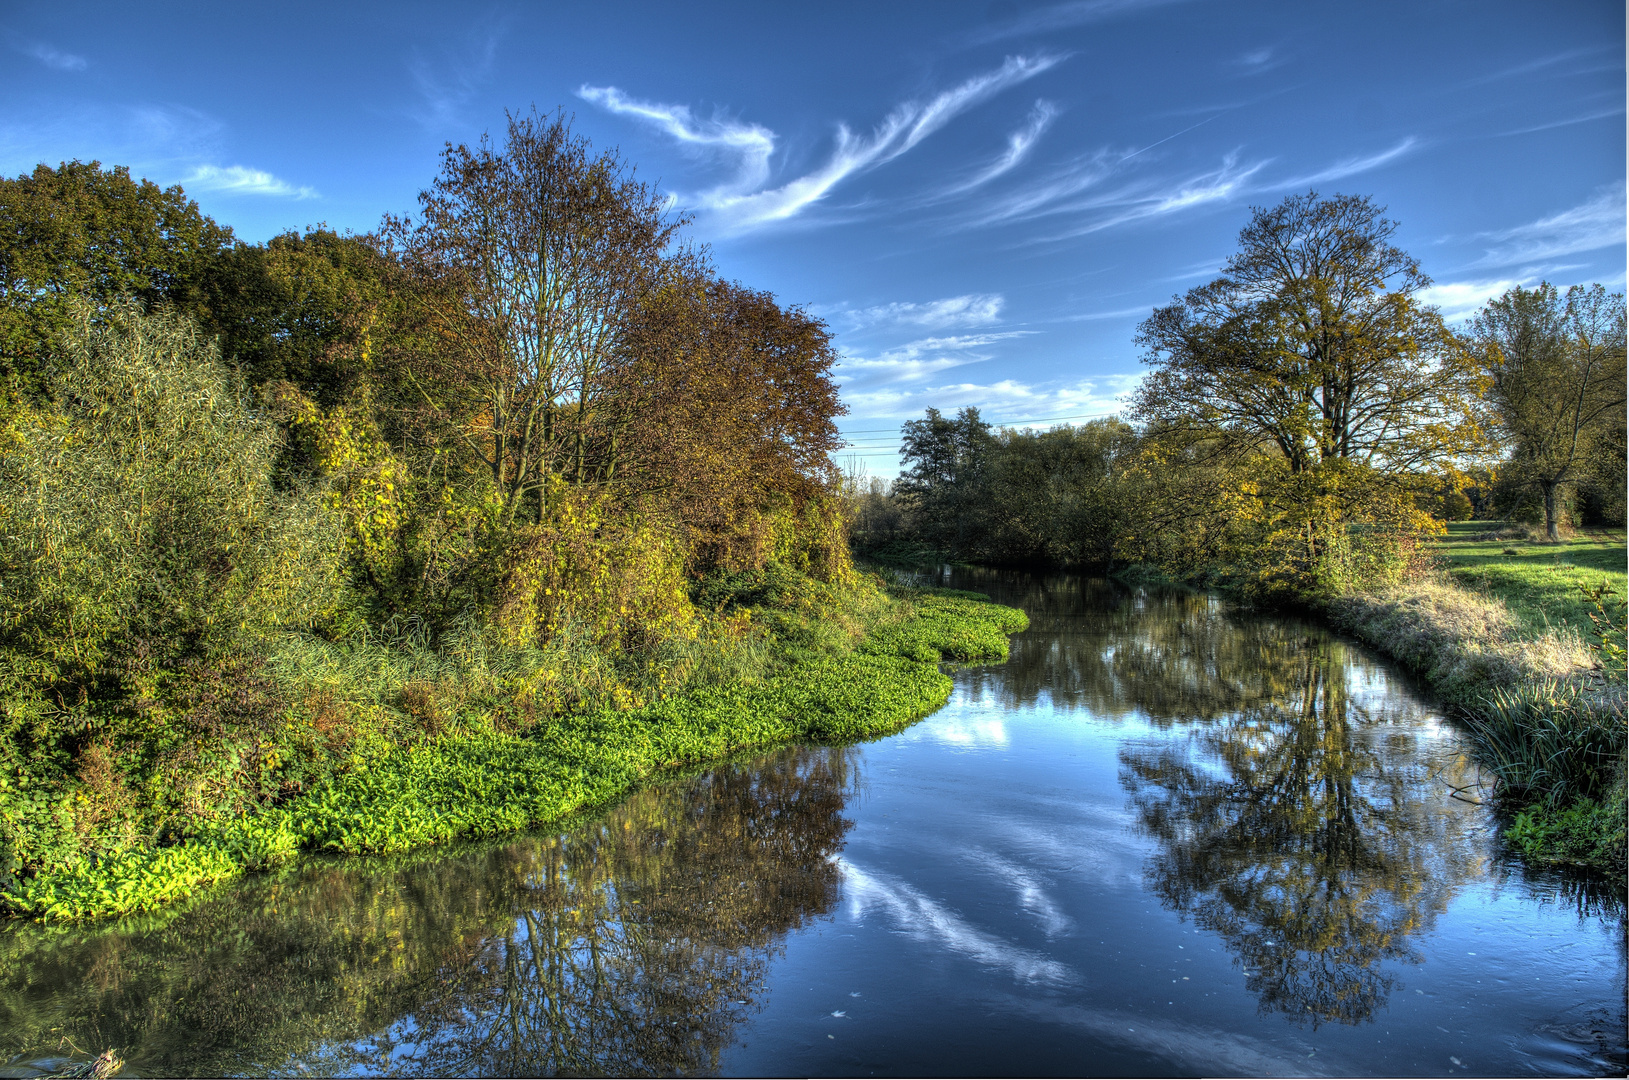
(479,782)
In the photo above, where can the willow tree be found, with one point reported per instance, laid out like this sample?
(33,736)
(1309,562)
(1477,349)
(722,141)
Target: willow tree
(1557,365)
(539,251)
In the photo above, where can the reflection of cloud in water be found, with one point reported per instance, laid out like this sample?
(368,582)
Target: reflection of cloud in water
(928,920)
(1032,896)
(967,729)
(1188,1047)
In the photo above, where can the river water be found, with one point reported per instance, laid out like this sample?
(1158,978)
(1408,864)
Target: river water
(1165,838)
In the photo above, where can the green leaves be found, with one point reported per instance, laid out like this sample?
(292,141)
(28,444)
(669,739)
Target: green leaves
(484,783)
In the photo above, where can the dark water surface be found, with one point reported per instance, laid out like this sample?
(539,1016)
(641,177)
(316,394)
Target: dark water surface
(1165,838)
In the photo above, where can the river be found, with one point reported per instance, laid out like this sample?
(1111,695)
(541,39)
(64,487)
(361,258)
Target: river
(1166,838)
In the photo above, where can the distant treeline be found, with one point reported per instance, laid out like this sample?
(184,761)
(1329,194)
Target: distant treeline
(1307,418)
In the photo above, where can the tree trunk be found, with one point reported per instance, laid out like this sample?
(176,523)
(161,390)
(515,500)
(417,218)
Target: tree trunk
(1552,527)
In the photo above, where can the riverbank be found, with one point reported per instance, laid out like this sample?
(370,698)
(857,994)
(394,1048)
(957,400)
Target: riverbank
(1503,633)
(477,781)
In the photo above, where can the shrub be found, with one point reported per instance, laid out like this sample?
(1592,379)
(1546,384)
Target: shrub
(140,507)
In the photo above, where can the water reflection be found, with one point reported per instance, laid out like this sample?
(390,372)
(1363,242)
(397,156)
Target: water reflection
(1169,657)
(633,945)
(1309,831)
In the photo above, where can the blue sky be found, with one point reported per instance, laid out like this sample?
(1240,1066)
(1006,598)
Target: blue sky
(982,199)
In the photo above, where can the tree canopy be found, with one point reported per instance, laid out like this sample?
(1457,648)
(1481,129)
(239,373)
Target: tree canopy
(1313,342)
(81,232)
(1556,364)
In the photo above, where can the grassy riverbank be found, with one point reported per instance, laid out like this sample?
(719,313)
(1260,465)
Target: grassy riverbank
(475,781)
(1504,633)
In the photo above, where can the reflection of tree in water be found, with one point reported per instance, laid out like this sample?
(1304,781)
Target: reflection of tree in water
(1308,834)
(1171,655)
(633,945)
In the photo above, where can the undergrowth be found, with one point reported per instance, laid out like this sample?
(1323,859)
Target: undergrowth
(478,768)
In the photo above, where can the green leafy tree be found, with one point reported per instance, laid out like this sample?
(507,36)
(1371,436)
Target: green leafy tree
(83,232)
(1314,342)
(943,481)
(1316,388)
(1556,362)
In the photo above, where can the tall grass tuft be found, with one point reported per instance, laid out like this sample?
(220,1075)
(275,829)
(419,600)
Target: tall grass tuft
(1551,741)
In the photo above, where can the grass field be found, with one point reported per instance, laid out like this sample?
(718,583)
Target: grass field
(1537,581)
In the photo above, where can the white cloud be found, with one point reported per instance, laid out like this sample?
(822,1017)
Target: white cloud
(918,359)
(55,59)
(237,180)
(446,86)
(1597,223)
(1121,313)
(1019,144)
(972,309)
(1001,402)
(1064,16)
(737,206)
(1350,166)
(161,142)
(1569,122)
(750,144)
(1462,299)
(1139,204)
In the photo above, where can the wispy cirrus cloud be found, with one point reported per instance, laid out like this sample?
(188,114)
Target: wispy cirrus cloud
(1088,188)
(1603,114)
(1340,170)
(1142,202)
(749,145)
(238,180)
(743,204)
(1558,64)
(919,359)
(1019,145)
(55,59)
(1063,16)
(1002,402)
(1595,223)
(972,309)
(1462,299)
(448,83)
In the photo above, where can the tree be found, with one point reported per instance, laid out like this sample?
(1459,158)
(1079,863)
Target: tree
(312,309)
(79,231)
(1313,342)
(540,251)
(722,404)
(1556,362)
(945,460)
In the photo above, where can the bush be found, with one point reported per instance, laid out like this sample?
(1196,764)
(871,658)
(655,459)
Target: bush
(139,506)
(147,562)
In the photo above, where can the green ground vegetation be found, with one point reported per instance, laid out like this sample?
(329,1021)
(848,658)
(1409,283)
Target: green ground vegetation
(476,779)
(1537,581)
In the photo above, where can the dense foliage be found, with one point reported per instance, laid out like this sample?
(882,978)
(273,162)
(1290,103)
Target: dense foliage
(357,542)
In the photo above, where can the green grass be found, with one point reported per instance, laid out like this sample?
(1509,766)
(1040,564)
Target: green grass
(1538,584)
(477,783)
